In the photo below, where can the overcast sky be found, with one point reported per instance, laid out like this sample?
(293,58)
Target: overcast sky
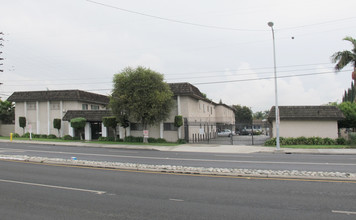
(224,47)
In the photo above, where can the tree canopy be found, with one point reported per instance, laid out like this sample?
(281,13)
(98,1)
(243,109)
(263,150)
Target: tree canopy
(343,58)
(142,95)
(349,111)
(243,114)
(7,112)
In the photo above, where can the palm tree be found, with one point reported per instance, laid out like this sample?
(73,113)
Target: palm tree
(343,58)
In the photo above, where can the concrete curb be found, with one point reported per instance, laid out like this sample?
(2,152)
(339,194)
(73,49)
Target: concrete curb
(245,173)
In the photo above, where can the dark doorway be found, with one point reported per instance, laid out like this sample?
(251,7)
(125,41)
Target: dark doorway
(95,130)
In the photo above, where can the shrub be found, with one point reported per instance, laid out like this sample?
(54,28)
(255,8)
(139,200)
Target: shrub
(300,140)
(15,135)
(341,141)
(43,136)
(26,135)
(36,135)
(51,136)
(133,139)
(329,141)
(178,121)
(271,142)
(67,137)
(181,141)
(22,123)
(352,139)
(157,140)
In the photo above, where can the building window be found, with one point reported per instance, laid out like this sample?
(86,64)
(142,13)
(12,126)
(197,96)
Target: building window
(136,127)
(55,106)
(31,106)
(94,107)
(84,106)
(169,127)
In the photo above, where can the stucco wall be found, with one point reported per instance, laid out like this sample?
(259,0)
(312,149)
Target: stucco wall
(307,129)
(6,129)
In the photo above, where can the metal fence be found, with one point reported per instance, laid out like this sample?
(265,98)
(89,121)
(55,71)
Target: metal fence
(226,134)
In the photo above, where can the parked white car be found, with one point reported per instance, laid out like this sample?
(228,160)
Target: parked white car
(226,133)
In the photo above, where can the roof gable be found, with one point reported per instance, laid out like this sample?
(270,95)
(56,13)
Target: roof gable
(306,113)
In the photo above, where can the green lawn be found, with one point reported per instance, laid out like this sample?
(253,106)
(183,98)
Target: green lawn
(316,146)
(93,142)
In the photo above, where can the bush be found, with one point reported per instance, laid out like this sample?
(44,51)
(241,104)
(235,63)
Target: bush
(52,136)
(352,139)
(26,135)
(133,139)
(306,141)
(15,135)
(341,141)
(67,137)
(271,142)
(36,136)
(156,140)
(181,141)
(43,136)
(329,141)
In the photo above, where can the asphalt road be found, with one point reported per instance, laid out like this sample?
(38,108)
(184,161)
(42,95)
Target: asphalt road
(305,162)
(39,191)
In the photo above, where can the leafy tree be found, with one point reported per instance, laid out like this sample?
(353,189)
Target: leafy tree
(349,111)
(7,112)
(261,114)
(123,119)
(22,123)
(243,114)
(111,122)
(57,124)
(78,124)
(343,58)
(142,95)
(350,94)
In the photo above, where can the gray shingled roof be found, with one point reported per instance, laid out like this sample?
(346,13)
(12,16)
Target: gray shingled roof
(59,95)
(89,115)
(306,113)
(186,89)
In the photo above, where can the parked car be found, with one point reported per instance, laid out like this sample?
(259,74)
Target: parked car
(226,133)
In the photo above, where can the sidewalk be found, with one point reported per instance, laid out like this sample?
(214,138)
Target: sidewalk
(203,148)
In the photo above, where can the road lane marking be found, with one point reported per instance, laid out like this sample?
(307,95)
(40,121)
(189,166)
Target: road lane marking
(53,186)
(193,159)
(177,200)
(343,212)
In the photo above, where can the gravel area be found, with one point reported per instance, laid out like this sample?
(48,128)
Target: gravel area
(188,170)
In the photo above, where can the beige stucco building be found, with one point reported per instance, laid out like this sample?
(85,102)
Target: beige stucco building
(306,121)
(202,117)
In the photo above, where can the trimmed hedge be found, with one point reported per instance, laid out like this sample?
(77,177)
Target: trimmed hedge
(307,141)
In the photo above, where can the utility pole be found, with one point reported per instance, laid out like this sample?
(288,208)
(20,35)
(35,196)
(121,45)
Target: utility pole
(1,45)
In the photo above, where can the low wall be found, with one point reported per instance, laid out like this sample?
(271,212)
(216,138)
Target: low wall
(5,129)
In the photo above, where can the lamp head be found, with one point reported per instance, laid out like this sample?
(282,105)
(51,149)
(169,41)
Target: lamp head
(270,24)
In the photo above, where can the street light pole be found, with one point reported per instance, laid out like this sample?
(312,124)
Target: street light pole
(275,87)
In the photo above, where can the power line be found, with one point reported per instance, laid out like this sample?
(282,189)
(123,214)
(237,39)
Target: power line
(171,20)
(272,77)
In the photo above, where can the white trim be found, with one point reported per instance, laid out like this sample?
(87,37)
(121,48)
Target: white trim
(104,130)
(48,119)
(87,130)
(161,130)
(61,113)
(178,105)
(37,117)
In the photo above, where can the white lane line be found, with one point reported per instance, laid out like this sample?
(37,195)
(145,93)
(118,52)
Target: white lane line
(193,159)
(343,212)
(53,186)
(177,200)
